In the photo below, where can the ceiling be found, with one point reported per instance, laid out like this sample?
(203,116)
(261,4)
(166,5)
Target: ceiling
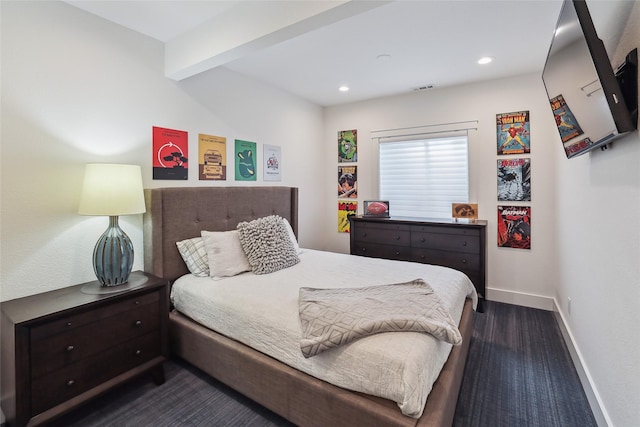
(376,48)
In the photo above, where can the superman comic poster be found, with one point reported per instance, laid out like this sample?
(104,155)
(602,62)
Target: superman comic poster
(514,227)
(513,133)
(170,154)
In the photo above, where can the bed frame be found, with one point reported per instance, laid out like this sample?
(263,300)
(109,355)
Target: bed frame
(175,214)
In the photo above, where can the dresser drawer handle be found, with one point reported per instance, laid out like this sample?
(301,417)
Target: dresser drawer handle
(70,383)
(138,322)
(464,261)
(397,252)
(137,303)
(364,249)
(138,352)
(464,243)
(69,324)
(70,348)
(364,234)
(423,240)
(397,237)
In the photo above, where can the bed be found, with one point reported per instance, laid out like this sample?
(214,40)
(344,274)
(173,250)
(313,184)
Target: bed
(176,214)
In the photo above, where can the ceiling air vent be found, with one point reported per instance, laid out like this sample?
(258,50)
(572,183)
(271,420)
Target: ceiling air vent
(422,88)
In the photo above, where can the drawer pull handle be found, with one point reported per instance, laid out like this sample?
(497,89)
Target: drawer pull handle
(397,252)
(397,237)
(464,243)
(464,261)
(137,303)
(364,234)
(70,383)
(364,249)
(70,348)
(138,352)
(138,322)
(68,323)
(423,240)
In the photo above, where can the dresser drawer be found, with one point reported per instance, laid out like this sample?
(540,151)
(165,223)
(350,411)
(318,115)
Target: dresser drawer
(457,260)
(375,250)
(432,229)
(79,342)
(396,235)
(76,378)
(446,242)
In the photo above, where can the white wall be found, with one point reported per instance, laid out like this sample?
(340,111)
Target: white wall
(514,270)
(598,240)
(78,89)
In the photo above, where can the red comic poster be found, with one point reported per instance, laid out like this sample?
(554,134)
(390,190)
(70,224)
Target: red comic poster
(170,154)
(514,227)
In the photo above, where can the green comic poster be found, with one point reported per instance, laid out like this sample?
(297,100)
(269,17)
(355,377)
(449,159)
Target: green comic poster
(245,160)
(348,145)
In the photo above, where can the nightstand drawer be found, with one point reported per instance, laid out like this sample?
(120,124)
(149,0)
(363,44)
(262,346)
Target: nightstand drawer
(91,338)
(64,324)
(63,384)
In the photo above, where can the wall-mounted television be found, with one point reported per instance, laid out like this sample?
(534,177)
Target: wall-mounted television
(585,94)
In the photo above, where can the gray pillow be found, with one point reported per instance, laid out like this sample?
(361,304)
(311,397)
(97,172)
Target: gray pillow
(267,244)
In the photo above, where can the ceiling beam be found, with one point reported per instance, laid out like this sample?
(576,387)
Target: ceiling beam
(249,27)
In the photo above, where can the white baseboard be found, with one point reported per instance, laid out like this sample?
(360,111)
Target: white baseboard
(550,304)
(519,298)
(599,413)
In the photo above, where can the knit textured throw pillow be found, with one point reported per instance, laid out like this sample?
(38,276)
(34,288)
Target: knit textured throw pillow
(267,244)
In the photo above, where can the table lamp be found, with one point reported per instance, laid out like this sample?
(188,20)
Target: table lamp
(112,190)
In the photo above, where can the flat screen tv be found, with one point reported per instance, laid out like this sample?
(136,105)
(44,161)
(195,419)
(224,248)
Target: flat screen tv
(585,94)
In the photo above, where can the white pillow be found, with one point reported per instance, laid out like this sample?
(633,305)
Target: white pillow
(194,255)
(292,235)
(224,253)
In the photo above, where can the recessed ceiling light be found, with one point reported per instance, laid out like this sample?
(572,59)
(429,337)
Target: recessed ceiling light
(485,60)
(343,88)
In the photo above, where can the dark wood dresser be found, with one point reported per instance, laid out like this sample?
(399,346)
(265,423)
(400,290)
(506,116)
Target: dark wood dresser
(460,245)
(64,347)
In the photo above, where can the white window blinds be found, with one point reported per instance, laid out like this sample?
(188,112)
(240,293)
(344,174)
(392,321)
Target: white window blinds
(421,178)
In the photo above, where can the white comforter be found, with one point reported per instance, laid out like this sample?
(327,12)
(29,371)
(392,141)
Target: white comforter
(261,311)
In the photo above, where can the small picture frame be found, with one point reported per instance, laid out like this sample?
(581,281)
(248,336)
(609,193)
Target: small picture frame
(376,208)
(464,210)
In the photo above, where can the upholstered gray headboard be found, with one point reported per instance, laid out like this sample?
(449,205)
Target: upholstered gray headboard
(175,214)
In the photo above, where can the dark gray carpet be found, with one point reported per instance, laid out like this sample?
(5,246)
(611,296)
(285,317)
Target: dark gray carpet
(519,373)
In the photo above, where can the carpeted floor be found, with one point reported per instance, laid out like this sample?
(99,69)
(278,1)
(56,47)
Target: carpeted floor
(519,373)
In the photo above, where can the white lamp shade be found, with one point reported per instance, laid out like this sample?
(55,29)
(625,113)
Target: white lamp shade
(112,189)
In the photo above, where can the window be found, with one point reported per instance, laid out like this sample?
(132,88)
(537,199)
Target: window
(421,178)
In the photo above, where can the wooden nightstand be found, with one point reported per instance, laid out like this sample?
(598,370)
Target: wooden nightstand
(64,347)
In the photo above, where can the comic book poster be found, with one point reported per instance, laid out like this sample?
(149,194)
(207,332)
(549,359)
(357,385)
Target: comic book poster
(348,145)
(565,120)
(514,180)
(170,154)
(347,182)
(272,162)
(513,133)
(514,227)
(212,158)
(345,210)
(245,160)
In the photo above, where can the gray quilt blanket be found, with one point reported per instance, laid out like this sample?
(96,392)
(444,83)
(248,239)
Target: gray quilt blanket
(333,317)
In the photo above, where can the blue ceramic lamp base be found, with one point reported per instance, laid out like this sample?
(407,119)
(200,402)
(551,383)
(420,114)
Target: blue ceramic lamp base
(113,256)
